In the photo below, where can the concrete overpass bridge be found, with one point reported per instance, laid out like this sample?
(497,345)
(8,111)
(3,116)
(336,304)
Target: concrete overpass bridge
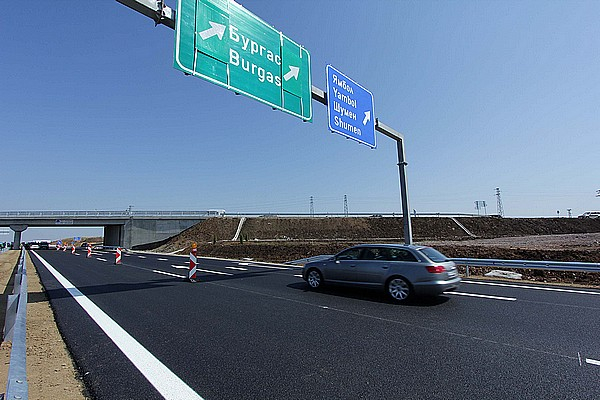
(121,228)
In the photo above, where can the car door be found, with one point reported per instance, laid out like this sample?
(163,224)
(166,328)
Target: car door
(342,267)
(372,266)
(405,263)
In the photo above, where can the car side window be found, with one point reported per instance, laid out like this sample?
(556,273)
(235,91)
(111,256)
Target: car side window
(402,255)
(350,254)
(369,254)
(376,253)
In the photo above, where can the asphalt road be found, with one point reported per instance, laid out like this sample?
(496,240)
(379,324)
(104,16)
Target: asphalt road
(251,330)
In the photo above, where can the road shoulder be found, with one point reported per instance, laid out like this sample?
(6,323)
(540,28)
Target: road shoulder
(51,373)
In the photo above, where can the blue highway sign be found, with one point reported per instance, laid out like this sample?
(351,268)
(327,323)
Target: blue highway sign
(350,108)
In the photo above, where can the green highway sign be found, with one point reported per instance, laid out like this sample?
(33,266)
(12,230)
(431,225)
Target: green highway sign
(222,42)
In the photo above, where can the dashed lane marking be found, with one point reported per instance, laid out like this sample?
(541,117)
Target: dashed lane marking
(213,272)
(167,273)
(590,361)
(533,287)
(162,259)
(482,296)
(237,268)
(180,266)
(264,266)
(101,259)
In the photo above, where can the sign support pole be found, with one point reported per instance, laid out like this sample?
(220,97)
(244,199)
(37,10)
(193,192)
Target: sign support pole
(399,138)
(403,193)
(162,14)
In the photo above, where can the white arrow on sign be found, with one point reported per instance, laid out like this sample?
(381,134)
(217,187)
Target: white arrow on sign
(293,73)
(367,117)
(215,29)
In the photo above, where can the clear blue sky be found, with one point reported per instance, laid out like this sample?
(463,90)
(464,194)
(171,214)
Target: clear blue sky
(487,93)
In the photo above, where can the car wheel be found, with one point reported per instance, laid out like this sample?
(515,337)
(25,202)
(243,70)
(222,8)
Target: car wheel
(399,289)
(314,279)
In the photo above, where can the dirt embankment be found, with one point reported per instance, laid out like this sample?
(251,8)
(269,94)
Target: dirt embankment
(284,239)
(493,227)
(51,373)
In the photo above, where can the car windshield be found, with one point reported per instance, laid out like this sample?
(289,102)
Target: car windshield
(433,254)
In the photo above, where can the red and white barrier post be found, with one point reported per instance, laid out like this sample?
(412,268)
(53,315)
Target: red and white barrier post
(89,251)
(118,256)
(73,249)
(193,263)
(57,246)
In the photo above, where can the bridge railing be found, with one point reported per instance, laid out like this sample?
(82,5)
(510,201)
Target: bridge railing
(128,214)
(118,214)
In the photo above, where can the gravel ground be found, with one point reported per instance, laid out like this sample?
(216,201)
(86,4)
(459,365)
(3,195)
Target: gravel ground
(576,241)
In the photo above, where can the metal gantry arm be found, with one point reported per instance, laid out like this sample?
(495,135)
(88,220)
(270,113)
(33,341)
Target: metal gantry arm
(154,9)
(161,14)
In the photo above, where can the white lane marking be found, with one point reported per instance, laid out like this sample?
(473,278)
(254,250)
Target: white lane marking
(213,272)
(265,266)
(101,259)
(141,256)
(482,296)
(180,266)
(298,276)
(243,263)
(167,273)
(77,254)
(162,259)
(126,255)
(237,269)
(169,385)
(590,361)
(533,287)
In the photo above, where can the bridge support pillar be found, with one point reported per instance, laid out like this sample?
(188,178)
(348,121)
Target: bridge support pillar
(17,239)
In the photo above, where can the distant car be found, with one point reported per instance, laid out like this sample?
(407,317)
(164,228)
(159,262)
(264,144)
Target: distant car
(44,245)
(401,270)
(83,245)
(590,214)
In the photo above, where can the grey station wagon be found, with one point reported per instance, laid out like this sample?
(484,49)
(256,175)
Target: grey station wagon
(401,270)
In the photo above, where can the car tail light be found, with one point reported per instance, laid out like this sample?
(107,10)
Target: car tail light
(435,269)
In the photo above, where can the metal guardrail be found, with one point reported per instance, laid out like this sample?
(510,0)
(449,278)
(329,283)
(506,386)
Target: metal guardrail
(15,331)
(489,262)
(546,265)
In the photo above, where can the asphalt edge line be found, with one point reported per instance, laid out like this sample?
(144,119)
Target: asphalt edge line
(169,385)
